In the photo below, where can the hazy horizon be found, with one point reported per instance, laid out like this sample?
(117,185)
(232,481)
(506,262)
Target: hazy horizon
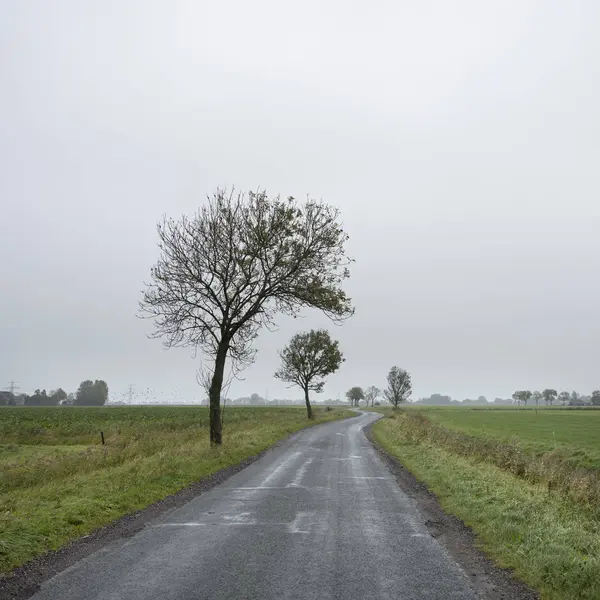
(459,140)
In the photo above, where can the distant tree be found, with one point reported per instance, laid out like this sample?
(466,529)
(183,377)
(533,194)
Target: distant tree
(56,397)
(482,400)
(38,398)
(435,400)
(371,394)
(575,399)
(564,398)
(522,396)
(307,360)
(549,396)
(7,399)
(256,399)
(399,386)
(235,265)
(595,399)
(69,400)
(91,393)
(355,395)
(537,396)
(502,401)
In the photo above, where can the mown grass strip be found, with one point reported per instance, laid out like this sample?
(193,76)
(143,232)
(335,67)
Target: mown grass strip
(551,542)
(57,482)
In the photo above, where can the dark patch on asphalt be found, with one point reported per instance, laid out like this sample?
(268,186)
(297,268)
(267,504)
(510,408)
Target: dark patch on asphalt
(490,582)
(25,581)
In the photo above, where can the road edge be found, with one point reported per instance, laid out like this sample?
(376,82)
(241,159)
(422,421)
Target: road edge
(24,581)
(488,580)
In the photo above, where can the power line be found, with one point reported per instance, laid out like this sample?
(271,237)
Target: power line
(12,386)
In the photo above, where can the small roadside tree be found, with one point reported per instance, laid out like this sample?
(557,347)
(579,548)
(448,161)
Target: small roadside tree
(549,396)
(307,359)
(232,267)
(355,395)
(399,386)
(371,394)
(537,396)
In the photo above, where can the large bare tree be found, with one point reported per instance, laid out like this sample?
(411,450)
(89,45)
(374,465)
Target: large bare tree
(399,386)
(307,359)
(232,267)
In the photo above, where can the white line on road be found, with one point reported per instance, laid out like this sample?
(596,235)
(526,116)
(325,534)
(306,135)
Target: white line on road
(283,465)
(300,474)
(191,524)
(295,525)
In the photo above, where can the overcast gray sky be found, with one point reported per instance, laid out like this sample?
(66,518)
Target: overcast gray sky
(461,141)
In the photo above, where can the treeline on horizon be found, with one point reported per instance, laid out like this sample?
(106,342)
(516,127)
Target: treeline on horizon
(549,397)
(89,393)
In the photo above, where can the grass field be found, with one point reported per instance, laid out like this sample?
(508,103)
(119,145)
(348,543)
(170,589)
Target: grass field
(572,434)
(511,476)
(57,482)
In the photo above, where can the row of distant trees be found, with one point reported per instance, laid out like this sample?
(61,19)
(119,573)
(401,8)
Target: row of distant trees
(398,390)
(89,393)
(313,355)
(550,396)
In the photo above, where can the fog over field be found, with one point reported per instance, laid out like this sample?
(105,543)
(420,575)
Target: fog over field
(460,141)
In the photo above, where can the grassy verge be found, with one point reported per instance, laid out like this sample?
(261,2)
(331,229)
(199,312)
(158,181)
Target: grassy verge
(57,482)
(570,434)
(551,541)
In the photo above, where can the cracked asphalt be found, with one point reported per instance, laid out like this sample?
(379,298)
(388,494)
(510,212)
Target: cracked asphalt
(320,517)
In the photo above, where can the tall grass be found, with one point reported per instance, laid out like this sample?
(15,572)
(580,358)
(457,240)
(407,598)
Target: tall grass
(557,473)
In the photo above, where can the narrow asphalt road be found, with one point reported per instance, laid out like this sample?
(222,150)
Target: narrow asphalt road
(320,517)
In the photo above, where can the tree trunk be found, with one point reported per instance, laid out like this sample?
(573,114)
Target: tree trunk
(308,407)
(215,395)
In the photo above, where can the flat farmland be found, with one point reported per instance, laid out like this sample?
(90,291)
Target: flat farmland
(573,434)
(58,482)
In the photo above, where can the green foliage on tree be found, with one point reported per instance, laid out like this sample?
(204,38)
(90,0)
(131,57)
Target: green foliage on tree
(91,393)
(307,360)
(399,386)
(549,396)
(564,398)
(595,399)
(522,397)
(58,396)
(232,267)
(536,397)
(355,395)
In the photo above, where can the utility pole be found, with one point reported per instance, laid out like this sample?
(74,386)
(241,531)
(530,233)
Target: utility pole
(129,394)
(12,386)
